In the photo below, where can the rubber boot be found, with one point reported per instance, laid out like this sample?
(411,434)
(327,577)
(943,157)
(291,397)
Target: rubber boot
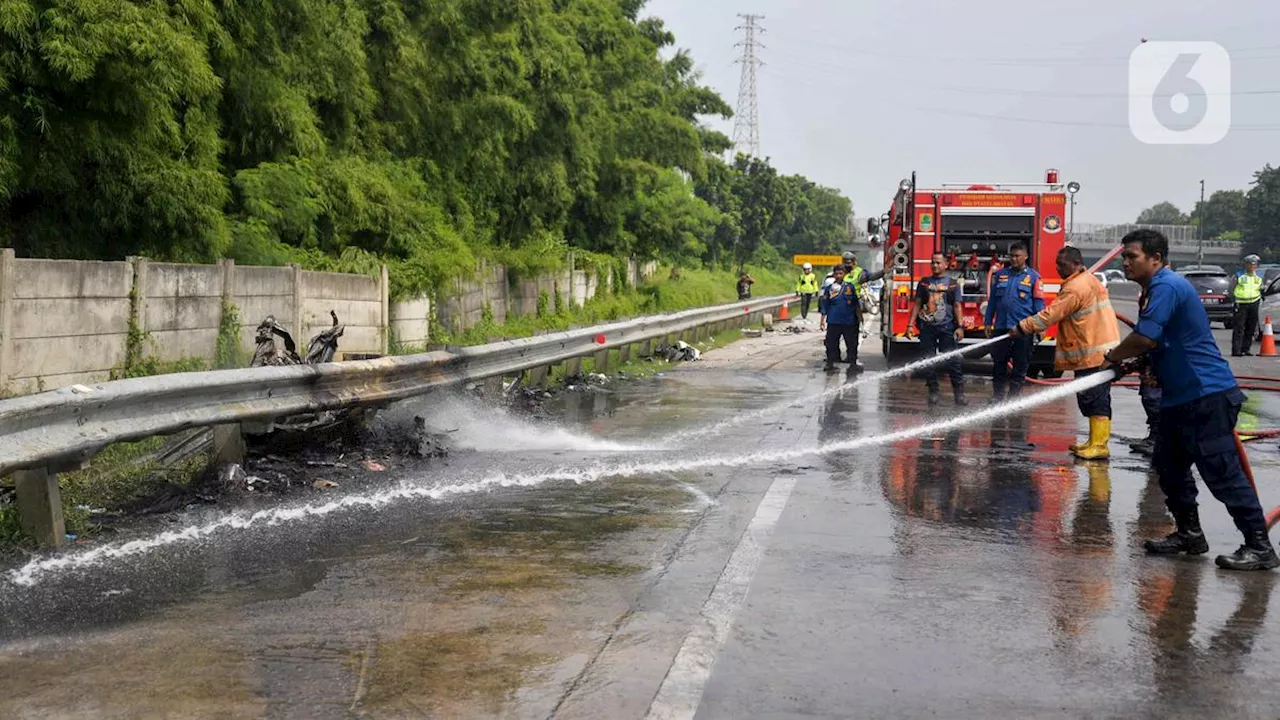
(1145,446)
(961,400)
(1186,538)
(829,366)
(1099,437)
(997,394)
(934,396)
(1255,554)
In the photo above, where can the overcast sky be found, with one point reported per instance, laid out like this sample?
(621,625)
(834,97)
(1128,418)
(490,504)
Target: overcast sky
(856,95)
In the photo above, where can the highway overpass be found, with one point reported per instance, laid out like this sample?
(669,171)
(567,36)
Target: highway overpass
(1094,240)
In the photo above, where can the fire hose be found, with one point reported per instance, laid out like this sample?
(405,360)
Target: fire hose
(1261,383)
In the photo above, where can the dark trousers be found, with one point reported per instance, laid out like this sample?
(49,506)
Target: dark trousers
(805,299)
(1151,406)
(1201,433)
(850,335)
(936,340)
(1017,349)
(1096,401)
(1244,328)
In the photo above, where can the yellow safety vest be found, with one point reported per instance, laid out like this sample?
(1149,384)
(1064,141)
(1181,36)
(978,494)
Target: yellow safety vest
(1248,288)
(808,284)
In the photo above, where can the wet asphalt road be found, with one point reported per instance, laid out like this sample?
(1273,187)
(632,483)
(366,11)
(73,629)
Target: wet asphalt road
(974,573)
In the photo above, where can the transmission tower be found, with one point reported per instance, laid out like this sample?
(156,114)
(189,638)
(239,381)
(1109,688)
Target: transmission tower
(746,123)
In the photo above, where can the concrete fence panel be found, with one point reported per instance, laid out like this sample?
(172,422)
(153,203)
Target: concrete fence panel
(261,291)
(183,309)
(67,322)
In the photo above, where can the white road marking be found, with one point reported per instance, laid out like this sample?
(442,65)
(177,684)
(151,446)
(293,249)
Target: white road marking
(681,691)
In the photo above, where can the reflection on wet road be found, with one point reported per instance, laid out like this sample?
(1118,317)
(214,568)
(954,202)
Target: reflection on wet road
(977,572)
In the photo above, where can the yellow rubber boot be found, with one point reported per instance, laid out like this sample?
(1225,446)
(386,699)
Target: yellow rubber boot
(1099,440)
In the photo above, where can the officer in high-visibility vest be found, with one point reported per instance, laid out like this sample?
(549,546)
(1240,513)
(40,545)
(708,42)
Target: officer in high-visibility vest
(859,279)
(807,288)
(1246,291)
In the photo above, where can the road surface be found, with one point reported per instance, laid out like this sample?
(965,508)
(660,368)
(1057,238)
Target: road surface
(674,548)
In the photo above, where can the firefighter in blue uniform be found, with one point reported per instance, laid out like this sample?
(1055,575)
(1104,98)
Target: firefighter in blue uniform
(1014,295)
(1199,405)
(838,304)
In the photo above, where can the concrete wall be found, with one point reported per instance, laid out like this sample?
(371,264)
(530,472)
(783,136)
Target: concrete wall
(64,322)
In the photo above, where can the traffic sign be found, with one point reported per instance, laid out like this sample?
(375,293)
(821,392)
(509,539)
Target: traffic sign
(817,260)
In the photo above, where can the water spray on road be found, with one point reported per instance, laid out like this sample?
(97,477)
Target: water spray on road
(34,571)
(716,428)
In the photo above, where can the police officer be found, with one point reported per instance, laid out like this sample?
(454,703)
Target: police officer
(806,288)
(1014,296)
(1199,407)
(1246,291)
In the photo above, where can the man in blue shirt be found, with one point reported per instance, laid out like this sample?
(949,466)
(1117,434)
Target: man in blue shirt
(838,305)
(1198,409)
(1014,295)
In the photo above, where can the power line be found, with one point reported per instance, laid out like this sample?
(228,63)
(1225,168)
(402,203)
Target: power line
(746,123)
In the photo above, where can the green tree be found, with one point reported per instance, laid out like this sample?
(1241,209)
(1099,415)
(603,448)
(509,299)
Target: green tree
(1223,212)
(1262,214)
(1165,213)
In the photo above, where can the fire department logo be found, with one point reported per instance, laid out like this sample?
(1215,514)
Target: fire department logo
(1053,224)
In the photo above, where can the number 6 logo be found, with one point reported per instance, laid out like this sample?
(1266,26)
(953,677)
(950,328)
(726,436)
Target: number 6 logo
(1179,93)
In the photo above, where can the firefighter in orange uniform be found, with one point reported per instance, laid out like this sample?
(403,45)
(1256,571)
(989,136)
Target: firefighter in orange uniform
(1087,329)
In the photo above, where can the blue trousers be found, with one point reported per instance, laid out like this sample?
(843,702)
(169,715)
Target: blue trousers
(937,340)
(1151,406)
(1201,433)
(1096,401)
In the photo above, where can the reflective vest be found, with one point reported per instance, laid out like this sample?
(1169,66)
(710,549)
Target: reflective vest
(1248,288)
(1086,322)
(808,284)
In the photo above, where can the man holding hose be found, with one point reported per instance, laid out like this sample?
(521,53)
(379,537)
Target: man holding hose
(1199,407)
(1086,331)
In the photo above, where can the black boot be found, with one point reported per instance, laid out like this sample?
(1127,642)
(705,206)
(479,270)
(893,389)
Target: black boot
(934,396)
(1145,446)
(961,400)
(1255,554)
(1187,538)
(997,395)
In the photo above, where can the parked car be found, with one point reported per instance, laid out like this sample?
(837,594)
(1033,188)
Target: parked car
(1114,276)
(1213,286)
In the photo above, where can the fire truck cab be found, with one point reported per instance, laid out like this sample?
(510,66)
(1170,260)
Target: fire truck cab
(974,225)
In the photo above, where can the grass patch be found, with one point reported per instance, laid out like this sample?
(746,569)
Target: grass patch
(119,476)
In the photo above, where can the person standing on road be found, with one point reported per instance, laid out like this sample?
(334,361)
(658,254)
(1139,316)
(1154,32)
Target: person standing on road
(939,311)
(1199,408)
(1014,296)
(1087,329)
(1246,292)
(806,288)
(858,278)
(839,308)
(745,282)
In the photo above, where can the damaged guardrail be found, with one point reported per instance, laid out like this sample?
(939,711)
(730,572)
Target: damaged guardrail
(60,430)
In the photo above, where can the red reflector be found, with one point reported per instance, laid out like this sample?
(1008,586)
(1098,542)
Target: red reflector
(947,199)
(1028,199)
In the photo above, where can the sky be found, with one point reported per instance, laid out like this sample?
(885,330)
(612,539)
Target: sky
(857,95)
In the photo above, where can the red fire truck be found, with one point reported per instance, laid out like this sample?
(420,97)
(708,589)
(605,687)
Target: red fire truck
(974,224)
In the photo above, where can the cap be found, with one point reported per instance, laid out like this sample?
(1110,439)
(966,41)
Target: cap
(848,256)
(1252,259)
(808,266)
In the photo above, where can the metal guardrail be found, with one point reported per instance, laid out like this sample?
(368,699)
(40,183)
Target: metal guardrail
(51,432)
(63,427)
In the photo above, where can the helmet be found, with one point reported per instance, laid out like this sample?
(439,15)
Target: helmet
(808,266)
(1252,260)
(848,256)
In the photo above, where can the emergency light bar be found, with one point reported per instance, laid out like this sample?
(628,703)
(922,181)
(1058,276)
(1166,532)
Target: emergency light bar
(1001,186)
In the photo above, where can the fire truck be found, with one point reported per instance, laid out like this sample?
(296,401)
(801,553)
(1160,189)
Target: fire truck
(974,225)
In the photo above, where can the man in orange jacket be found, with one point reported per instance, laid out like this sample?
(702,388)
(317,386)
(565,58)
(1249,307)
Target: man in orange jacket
(1087,329)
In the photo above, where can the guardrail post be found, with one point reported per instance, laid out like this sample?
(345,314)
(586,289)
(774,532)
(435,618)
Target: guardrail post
(6,316)
(40,506)
(602,361)
(538,376)
(624,354)
(646,348)
(228,445)
(572,367)
(493,386)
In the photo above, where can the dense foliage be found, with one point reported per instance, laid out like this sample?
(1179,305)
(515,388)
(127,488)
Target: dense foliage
(347,133)
(1251,216)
